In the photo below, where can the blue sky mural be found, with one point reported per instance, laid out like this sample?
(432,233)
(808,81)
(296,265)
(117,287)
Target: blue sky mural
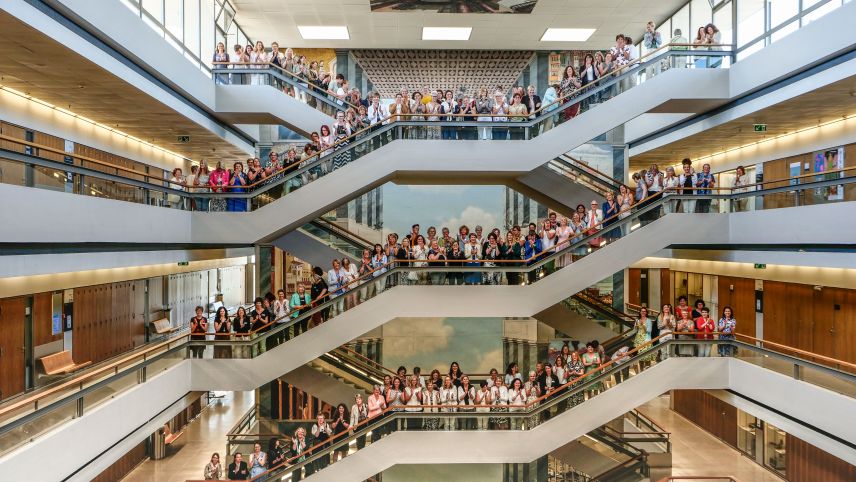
(441,206)
(475,343)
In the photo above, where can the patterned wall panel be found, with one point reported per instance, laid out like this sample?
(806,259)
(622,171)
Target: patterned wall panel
(456,70)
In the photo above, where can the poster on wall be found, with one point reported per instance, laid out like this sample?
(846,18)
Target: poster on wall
(794,172)
(828,161)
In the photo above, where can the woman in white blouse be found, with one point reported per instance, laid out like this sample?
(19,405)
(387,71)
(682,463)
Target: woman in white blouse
(359,413)
(448,398)
(431,397)
(741,180)
(466,398)
(533,391)
(420,257)
(259,56)
(667,323)
(412,400)
(670,182)
(483,398)
(351,275)
(516,401)
(499,397)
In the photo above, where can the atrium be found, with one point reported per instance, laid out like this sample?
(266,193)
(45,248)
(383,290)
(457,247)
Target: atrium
(422,240)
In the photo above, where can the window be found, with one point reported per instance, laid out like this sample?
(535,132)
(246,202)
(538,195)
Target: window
(821,11)
(750,20)
(681,20)
(722,20)
(155,9)
(700,14)
(784,31)
(192,24)
(782,10)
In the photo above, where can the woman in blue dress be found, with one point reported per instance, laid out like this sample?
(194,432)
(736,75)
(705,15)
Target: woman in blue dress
(258,461)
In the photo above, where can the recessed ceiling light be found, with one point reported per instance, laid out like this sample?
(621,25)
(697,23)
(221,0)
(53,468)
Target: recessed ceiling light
(446,33)
(567,34)
(309,32)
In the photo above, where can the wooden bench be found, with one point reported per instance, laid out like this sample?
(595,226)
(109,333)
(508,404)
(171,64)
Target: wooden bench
(163,327)
(60,363)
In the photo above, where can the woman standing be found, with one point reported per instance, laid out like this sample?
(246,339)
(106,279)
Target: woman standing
(686,324)
(561,371)
(705,326)
(500,110)
(516,402)
(341,424)
(449,399)
(213,469)
(341,131)
(569,85)
(437,259)
(395,395)
(217,181)
(376,406)
(490,255)
(237,184)
(432,108)
(259,56)
(578,228)
(466,398)
(298,451)
(412,399)
(482,400)
(576,369)
(351,277)
(726,326)
(625,201)
(563,237)
(512,253)
(258,461)
(318,292)
(275,453)
(222,329)
(670,184)
(359,414)
(321,432)
(642,339)
(483,109)
(472,253)
(455,373)
(455,259)
(198,330)
(741,180)
(591,361)
(499,397)
(667,323)
(519,112)
(431,398)
(588,75)
(420,257)
(610,213)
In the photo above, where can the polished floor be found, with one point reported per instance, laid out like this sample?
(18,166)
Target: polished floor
(697,453)
(206,435)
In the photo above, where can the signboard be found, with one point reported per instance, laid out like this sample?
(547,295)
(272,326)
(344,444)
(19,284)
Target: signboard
(183,139)
(760,127)
(56,324)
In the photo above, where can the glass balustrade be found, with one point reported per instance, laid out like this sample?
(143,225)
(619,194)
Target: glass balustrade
(522,411)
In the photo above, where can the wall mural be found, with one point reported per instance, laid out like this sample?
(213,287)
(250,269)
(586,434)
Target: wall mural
(455,6)
(456,70)
(429,343)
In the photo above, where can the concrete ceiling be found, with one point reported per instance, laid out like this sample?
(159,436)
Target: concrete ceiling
(269,20)
(37,65)
(826,104)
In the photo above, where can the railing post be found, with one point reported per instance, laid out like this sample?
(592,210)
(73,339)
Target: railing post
(78,411)
(798,372)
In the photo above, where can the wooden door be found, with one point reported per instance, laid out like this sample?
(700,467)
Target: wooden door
(739,294)
(634,286)
(823,327)
(12,319)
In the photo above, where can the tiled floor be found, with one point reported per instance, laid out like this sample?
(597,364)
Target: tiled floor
(696,452)
(204,436)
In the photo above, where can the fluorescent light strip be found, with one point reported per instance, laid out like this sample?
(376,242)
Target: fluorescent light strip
(446,33)
(774,138)
(322,32)
(567,34)
(89,121)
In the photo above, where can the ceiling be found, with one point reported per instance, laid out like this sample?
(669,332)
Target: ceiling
(37,65)
(269,20)
(826,104)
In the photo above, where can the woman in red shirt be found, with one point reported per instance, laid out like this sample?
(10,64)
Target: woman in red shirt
(705,326)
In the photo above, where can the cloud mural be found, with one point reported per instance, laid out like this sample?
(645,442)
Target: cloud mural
(429,343)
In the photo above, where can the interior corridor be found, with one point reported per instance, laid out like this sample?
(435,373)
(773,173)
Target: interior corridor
(204,436)
(698,453)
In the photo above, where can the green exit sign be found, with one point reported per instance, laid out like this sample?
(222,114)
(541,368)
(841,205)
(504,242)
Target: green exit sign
(760,266)
(760,127)
(187,263)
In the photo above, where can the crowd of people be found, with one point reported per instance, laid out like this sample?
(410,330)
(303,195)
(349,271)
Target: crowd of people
(498,394)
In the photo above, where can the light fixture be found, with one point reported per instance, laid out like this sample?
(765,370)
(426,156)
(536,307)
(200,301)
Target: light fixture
(88,121)
(635,226)
(567,34)
(446,33)
(321,32)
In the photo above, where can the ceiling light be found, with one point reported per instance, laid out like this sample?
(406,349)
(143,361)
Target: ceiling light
(446,33)
(567,34)
(323,33)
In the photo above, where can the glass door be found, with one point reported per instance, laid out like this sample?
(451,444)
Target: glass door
(747,433)
(774,448)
